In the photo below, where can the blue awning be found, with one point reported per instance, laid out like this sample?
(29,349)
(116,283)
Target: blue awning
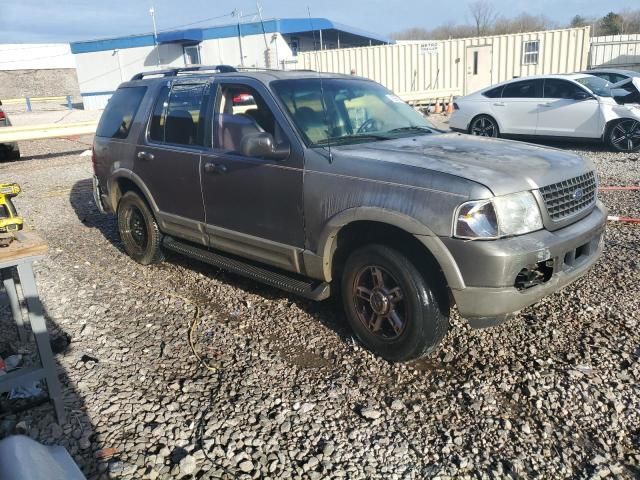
(191,36)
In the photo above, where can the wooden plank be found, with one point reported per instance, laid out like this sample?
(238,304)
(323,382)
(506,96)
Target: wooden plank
(19,134)
(26,244)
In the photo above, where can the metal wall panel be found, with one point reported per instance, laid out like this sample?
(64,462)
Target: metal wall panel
(615,51)
(416,75)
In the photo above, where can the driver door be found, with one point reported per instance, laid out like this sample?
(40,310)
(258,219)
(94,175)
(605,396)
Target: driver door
(253,205)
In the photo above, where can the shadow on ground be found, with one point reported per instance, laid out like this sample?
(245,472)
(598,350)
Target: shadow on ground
(35,416)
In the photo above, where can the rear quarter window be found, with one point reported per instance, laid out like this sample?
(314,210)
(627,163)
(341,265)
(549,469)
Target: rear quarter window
(121,110)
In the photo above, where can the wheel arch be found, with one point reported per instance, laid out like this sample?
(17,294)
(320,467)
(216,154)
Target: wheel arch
(484,114)
(124,180)
(342,232)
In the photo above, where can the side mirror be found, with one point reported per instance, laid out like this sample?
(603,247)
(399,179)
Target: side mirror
(581,95)
(261,144)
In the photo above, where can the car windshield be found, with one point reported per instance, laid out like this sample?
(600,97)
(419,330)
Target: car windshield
(342,111)
(597,85)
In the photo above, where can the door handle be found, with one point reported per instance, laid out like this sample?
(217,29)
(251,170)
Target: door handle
(216,168)
(547,105)
(142,155)
(498,104)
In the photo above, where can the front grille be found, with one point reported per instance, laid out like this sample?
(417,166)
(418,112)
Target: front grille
(567,198)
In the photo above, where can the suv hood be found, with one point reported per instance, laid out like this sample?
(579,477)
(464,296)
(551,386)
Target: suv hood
(503,166)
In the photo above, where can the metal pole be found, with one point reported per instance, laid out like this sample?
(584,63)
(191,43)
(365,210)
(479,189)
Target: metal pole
(238,14)
(320,39)
(152,12)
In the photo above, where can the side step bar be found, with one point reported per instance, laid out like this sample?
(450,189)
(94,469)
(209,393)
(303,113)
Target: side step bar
(303,287)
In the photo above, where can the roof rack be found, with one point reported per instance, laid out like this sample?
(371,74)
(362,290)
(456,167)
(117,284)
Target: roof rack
(173,72)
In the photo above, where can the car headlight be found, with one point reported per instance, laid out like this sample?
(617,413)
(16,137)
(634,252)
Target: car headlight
(497,217)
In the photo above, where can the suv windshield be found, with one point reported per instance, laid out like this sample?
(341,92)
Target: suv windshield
(345,111)
(597,85)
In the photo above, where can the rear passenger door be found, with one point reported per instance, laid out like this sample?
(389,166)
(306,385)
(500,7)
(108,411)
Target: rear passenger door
(563,115)
(517,110)
(253,204)
(168,158)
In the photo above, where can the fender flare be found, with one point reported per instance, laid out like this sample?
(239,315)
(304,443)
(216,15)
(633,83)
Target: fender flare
(327,240)
(129,175)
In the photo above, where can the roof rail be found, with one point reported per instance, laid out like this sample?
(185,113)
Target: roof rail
(173,72)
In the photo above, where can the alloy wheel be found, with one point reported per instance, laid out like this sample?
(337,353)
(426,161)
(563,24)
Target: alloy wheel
(379,302)
(625,135)
(484,127)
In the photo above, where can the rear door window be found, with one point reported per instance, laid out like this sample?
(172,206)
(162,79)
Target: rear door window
(178,116)
(494,92)
(523,89)
(118,116)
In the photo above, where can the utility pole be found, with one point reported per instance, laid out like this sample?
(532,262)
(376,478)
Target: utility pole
(237,13)
(152,12)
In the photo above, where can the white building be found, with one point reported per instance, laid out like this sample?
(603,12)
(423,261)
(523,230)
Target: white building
(103,64)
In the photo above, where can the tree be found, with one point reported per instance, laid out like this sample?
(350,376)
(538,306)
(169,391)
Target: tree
(483,16)
(579,21)
(611,24)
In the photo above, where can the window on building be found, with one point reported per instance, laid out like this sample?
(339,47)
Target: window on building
(295,45)
(121,109)
(177,116)
(475,62)
(192,55)
(530,51)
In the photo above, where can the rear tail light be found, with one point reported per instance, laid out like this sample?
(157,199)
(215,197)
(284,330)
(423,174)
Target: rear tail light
(455,106)
(2,115)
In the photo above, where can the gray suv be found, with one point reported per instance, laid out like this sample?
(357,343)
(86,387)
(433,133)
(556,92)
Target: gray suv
(324,184)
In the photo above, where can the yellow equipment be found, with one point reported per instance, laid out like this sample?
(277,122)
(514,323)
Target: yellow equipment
(10,221)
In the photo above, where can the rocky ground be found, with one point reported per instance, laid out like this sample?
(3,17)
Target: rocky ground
(553,393)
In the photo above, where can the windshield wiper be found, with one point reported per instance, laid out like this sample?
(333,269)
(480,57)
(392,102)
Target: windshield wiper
(411,128)
(359,136)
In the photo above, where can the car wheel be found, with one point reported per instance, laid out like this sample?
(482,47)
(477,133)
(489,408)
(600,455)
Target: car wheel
(13,155)
(389,304)
(484,126)
(624,135)
(139,230)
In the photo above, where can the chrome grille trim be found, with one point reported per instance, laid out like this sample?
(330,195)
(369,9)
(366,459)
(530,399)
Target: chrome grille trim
(560,198)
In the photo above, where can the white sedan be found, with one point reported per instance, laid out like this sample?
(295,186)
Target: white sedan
(576,106)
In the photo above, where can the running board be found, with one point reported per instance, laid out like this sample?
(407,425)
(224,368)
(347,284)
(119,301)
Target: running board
(303,287)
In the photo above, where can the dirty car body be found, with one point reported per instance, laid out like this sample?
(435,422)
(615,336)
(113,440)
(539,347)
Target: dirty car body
(400,219)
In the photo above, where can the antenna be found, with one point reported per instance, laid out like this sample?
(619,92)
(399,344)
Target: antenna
(324,106)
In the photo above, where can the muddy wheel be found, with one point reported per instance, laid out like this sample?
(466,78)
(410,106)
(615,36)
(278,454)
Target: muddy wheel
(624,135)
(138,229)
(484,126)
(389,304)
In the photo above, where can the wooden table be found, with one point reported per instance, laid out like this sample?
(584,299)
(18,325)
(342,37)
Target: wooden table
(20,255)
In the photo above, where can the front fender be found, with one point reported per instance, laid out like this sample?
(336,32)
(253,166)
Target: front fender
(322,265)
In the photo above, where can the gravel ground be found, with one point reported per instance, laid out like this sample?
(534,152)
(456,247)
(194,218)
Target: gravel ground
(552,393)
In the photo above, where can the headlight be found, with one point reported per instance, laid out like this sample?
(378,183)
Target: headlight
(504,216)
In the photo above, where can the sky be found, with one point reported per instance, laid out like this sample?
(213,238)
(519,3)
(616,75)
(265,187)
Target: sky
(32,21)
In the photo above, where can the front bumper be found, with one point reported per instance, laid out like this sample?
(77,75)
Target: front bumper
(490,268)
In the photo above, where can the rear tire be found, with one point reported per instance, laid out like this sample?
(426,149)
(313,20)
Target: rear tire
(624,135)
(139,230)
(484,126)
(390,306)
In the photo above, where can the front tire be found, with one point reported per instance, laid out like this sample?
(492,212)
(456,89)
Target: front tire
(139,230)
(390,306)
(624,135)
(484,126)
